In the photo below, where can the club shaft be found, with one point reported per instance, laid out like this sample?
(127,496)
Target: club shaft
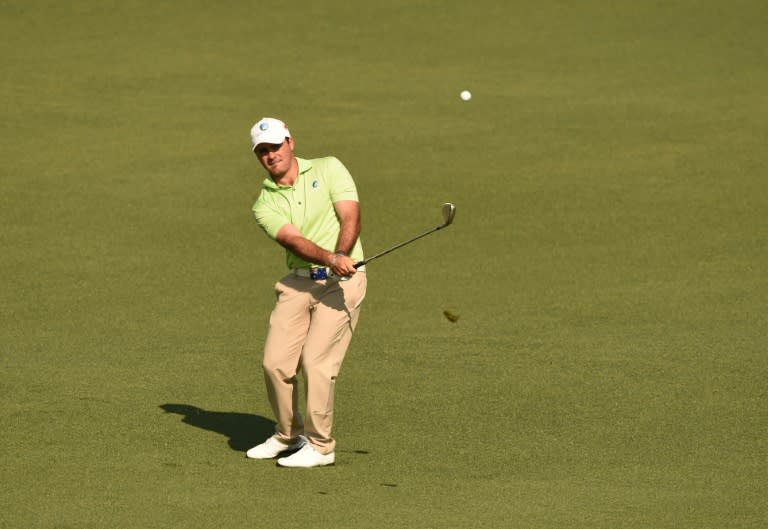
(409,241)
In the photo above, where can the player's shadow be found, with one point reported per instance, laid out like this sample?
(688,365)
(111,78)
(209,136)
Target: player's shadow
(243,429)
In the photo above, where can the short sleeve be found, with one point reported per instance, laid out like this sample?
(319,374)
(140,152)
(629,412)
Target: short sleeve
(342,185)
(270,219)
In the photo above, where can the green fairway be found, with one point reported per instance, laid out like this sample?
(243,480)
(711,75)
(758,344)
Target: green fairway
(607,263)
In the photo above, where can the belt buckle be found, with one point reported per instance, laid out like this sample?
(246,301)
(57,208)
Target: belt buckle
(318,273)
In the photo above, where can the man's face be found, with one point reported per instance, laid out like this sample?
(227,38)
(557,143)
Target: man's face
(276,159)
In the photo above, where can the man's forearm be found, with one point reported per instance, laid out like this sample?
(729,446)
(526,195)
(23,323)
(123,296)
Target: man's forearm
(306,249)
(349,220)
(348,237)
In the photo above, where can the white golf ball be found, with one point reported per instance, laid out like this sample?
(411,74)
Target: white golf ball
(465,95)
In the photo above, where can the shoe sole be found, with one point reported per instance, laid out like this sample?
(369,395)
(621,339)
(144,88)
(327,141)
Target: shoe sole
(313,466)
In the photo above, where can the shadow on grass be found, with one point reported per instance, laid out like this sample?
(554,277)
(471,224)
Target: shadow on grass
(243,429)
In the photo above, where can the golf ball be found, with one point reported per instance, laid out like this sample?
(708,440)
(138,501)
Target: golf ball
(465,95)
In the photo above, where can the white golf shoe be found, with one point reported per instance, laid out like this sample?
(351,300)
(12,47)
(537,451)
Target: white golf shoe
(307,457)
(272,448)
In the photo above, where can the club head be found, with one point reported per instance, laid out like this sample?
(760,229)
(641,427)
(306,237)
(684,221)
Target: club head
(449,211)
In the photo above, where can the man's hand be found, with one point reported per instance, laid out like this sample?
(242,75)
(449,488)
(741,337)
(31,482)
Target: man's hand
(342,265)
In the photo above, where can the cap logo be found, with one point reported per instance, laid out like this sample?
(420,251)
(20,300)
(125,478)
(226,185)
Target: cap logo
(263,126)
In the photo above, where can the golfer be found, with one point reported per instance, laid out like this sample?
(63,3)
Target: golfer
(310,207)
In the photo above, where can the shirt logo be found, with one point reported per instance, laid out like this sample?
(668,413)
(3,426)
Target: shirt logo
(315,184)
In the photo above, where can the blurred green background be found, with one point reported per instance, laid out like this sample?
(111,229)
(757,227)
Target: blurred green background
(607,262)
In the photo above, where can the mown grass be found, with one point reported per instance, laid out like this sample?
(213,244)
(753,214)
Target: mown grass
(608,366)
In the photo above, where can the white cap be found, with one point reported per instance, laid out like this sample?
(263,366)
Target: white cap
(269,130)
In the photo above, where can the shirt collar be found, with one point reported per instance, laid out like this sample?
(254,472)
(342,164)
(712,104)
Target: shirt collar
(304,166)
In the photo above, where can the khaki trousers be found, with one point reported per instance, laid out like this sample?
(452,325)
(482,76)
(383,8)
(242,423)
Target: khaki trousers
(309,331)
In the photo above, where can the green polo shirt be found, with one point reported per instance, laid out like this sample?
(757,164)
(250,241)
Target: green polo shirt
(308,205)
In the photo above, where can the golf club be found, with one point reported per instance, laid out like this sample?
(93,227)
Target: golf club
(448,210)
